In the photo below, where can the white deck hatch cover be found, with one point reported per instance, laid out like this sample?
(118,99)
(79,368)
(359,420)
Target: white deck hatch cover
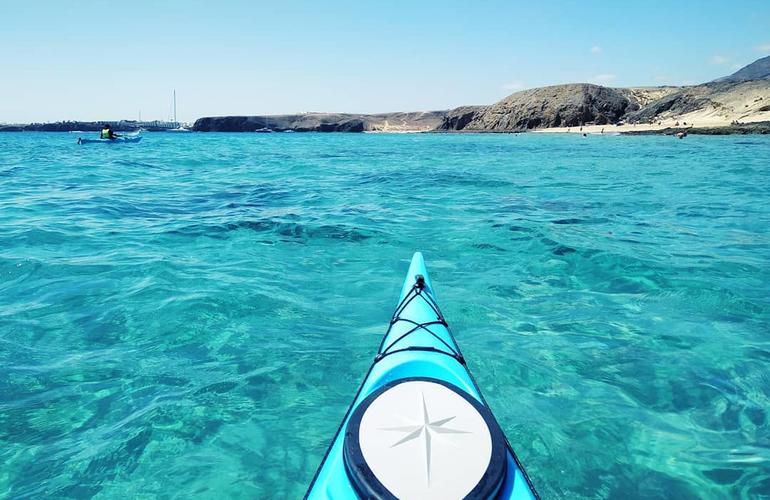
(424,438)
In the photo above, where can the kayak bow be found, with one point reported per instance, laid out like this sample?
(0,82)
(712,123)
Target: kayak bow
(419,426)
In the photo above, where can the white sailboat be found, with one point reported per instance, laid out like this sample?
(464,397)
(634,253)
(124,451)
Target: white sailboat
(266,129)
(178,127)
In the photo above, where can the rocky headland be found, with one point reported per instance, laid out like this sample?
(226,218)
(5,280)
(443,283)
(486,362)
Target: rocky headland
(324,122)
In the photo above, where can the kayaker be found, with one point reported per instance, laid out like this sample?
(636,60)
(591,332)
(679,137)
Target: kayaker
(107,132)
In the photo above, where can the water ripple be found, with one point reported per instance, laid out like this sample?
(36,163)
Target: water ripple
(191,315)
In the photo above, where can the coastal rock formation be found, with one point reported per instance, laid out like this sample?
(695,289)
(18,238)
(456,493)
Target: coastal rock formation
(568,105)
(324,122)
(459,118)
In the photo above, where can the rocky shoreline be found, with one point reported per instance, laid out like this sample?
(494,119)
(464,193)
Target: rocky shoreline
(762,128)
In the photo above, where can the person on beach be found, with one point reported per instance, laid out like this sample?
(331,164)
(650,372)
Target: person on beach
(107,132)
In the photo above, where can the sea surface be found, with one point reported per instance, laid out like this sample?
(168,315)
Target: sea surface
(190,316)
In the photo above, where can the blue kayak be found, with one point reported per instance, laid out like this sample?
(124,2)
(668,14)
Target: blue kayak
(117,140)
(418,426)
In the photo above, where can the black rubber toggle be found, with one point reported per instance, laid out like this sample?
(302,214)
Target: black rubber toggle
(420,281)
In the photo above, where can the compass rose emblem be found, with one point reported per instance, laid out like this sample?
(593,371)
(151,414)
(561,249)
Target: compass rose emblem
(427,429)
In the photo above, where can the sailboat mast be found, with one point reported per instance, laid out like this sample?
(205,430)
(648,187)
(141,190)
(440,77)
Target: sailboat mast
(174,106)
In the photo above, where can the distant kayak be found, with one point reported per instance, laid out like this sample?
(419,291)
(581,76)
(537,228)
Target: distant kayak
(418,426)
(117,140)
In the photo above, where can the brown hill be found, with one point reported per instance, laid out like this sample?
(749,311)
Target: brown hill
(568,105)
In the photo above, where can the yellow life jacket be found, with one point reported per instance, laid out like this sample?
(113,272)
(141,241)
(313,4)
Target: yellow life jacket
(105,133)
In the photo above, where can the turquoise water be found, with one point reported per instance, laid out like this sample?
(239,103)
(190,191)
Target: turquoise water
(191,315)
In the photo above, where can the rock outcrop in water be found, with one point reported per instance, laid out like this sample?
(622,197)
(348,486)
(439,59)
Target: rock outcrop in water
(324,122)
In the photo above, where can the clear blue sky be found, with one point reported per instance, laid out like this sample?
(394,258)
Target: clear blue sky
(107,60)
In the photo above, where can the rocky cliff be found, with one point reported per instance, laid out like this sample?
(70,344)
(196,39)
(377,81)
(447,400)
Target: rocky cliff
(324,122)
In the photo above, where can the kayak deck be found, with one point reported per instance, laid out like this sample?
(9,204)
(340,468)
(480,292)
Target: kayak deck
(419,355)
